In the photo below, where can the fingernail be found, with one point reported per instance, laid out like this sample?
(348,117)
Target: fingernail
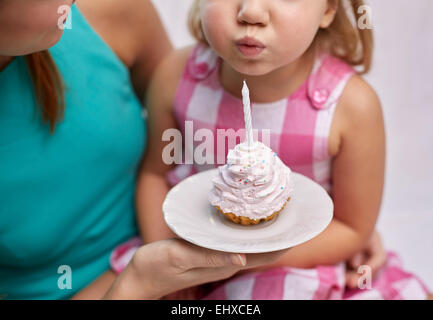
(238,260)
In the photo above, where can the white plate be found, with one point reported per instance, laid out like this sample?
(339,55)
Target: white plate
(188,214)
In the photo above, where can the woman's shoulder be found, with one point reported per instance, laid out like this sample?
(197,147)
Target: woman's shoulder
(134,31)
(127,26)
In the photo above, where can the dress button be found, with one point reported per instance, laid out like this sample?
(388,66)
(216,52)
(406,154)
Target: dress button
(320,96)
(200,70)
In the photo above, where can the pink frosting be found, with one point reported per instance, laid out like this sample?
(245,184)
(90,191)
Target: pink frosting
(254,183)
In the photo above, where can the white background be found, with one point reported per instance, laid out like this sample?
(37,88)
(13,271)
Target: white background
(403,77)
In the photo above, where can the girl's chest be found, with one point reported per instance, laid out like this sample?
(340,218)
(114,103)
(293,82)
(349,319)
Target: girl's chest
(294,130)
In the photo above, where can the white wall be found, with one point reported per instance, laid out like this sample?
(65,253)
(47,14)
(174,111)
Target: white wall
(403,77)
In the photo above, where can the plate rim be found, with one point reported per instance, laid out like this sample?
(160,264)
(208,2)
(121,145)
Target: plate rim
(246,250)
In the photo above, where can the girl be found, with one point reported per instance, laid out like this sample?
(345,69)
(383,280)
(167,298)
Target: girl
(302,60)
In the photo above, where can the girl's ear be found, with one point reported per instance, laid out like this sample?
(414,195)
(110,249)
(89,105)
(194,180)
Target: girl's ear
(330,13)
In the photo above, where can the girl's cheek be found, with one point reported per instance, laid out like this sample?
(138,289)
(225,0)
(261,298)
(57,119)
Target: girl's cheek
(298,23)
(216,27)
(296,34)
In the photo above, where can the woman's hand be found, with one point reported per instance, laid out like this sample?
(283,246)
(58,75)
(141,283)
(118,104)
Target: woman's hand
(373,256)
(163,267)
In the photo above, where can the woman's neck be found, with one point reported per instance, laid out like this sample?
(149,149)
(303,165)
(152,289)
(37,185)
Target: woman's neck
(4,61)
(270,87)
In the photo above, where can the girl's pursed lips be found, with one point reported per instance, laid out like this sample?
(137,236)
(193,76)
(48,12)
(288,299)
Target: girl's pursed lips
(250,42)
(250,47)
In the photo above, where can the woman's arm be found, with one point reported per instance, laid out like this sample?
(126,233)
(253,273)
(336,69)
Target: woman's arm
(135,33)
(152,184)
(358,180)
(152,47)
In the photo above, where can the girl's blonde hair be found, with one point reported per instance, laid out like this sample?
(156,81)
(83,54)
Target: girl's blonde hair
(342,38)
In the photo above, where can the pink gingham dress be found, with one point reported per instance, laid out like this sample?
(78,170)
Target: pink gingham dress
(297,128)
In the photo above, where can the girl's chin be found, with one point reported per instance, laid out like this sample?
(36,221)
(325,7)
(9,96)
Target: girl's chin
(252,69)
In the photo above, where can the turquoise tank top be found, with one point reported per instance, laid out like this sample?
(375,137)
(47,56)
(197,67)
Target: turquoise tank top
(67,199)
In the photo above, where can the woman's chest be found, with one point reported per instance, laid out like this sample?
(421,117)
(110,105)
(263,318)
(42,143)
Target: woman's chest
(55,188)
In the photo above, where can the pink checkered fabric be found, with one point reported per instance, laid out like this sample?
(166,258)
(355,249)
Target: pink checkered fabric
(321,283)
(123,253)
(297,126)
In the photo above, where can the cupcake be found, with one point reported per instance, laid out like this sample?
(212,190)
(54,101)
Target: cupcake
(254,185)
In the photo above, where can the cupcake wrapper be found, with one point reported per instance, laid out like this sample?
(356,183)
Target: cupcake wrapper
(245,221)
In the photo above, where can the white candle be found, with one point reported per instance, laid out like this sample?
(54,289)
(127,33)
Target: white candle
(247,115)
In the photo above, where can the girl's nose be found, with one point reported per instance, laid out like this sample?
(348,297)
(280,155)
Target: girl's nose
(253,12)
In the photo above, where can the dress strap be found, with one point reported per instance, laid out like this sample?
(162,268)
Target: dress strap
(202,62)
(327,81)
